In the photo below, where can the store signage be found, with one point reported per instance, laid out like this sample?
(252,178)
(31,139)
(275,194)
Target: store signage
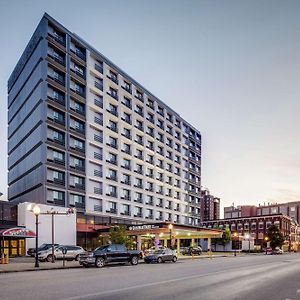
(17,232)
(143,227)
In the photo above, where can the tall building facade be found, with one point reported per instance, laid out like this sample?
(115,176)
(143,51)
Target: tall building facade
(210,206)
(83,133)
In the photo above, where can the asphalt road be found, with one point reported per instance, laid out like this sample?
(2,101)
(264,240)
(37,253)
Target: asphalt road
(249,277)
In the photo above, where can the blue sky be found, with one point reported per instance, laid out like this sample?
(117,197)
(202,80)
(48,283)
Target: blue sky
(231,68)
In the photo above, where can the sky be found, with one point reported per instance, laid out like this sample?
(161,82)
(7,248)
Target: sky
(230,68)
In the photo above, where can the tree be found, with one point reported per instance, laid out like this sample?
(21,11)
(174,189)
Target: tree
(225,239)
(118,235)
(275,237)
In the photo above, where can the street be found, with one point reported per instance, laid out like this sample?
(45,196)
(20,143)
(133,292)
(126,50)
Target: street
(242,277)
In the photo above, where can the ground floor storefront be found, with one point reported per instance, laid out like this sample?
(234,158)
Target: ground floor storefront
(13,241)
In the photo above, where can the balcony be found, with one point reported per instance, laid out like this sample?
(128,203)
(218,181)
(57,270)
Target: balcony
(99,68)
(139,97)
(114,178)
(98,173)
(127,167)
(141,128)
(112,194)
(98,156)
(127,89)
(112,161)
(57,38)
(113,95)
(139,186)
(149,217)
(57,58)
(58,141)
(141,157)
(139,112)
(150,203)
(126,151)
(151,120)
(98,102)
(128,136)
(138,215)
(98,191)
(126,213)
(113,145)
(138,171)
(127,120)
(113,79)
(60,99)
(98,208)
(150,105)
(113,112)
(127,104)
(58,79)
(59,161)
(98,121)
(140,142)
(98,85)
(59,181)
(140,200)
(126,197)
(78,53)
(98,138)
(113,128)
(80,74)
(127,182)
(112,211)
(80,186)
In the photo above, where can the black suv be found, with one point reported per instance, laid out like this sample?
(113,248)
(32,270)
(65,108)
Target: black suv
(114,253)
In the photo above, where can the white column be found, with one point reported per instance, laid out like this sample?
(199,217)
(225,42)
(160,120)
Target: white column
(209,244)
(139,242)
(178,246)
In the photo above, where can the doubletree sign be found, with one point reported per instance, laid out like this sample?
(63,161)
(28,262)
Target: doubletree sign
(143,227)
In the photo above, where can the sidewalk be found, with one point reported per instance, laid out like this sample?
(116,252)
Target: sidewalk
(21,264)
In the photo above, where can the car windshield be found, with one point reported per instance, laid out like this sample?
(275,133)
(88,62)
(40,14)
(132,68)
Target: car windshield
(101,248)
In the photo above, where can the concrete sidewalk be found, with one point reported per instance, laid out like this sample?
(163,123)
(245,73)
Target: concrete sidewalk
(22,264)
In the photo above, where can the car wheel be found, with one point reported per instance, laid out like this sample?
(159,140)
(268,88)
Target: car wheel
(159,260)
(174,259)
(77,257)
(99,263)
(134,260)
(49,258)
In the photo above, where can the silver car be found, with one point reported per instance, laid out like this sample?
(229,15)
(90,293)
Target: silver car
(72,253)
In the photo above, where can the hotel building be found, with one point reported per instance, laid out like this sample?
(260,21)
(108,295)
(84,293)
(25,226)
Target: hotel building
(83,133)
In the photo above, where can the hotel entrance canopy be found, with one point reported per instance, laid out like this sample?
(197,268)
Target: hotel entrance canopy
(177,231)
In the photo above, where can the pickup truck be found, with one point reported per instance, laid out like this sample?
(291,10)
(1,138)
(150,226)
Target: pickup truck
(114,253)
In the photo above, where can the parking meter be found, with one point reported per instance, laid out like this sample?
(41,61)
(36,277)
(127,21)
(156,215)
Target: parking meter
(64,251)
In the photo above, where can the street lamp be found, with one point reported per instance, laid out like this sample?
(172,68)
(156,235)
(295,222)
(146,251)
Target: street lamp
(36,211)
(170,228)
(266,240)
(247,237)
(235,235)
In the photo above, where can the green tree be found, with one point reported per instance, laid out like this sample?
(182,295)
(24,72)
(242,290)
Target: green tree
(275,237)
(225,239)
(118,235)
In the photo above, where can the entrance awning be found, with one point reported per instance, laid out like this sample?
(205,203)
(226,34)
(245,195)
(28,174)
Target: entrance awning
(17,232)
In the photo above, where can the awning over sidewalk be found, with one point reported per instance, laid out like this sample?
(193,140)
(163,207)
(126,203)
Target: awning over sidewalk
(17,232)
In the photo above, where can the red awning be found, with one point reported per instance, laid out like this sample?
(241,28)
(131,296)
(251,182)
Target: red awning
(17,232)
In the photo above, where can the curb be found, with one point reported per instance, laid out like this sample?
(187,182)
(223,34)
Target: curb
(38,269)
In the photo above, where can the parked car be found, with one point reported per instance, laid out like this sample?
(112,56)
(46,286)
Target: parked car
(153,249)
(43,247)
(160,256)
(73,253)
(114,253)
(277,250)
(196,250)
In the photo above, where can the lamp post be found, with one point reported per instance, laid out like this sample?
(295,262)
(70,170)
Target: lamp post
(170,228)
(266,240)
(36,211)
(53,212)
(235,235)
